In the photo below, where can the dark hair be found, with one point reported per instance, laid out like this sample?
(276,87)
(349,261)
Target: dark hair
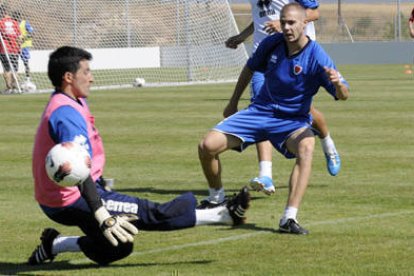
(65,59)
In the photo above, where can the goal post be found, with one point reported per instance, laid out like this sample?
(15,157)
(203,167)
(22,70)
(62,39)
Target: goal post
(166,42)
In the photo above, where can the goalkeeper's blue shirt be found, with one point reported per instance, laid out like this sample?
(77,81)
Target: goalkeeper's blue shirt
(291,81)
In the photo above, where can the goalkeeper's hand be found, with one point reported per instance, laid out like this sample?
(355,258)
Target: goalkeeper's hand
(116,228)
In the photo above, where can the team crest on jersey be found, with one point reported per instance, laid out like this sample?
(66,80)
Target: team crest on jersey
(273,59)
(297,69)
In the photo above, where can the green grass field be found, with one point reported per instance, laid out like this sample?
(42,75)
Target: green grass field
(361,221)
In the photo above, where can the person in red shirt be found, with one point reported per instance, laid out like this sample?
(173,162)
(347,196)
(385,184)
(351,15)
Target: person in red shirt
(9,48)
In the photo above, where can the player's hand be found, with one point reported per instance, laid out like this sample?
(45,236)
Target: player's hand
(333,75)
(229,110)
(116,228)
(272,27)
(233,42)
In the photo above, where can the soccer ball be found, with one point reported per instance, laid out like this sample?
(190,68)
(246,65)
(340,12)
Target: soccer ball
(68,164)
(28,87)
(138,82)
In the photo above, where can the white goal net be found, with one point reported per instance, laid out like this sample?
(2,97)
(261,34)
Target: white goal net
(164,42)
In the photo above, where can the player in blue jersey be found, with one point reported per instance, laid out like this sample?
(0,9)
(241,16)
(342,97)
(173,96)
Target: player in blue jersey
(108,219)
(295,67)
(266,15)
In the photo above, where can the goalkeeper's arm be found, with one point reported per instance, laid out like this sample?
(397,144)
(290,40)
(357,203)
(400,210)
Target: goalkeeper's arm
(114,228)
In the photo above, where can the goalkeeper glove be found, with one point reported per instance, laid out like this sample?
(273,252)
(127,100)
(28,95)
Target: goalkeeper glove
(116,228)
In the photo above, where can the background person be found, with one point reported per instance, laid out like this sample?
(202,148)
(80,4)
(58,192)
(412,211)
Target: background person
(9,48)
(411,24)
(26,31)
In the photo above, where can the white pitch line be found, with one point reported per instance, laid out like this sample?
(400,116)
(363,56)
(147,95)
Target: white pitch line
(249,235)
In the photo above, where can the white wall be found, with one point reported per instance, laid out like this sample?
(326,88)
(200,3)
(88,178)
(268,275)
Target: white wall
(111,58)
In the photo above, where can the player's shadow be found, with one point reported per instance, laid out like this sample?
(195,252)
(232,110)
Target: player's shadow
(199,192)
(253,226)
(18,268)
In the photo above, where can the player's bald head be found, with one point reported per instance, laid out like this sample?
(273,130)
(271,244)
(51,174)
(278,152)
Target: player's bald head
(294,7)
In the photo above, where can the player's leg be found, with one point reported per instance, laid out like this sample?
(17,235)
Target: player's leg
(302,144)
(264,181)
(94,245)
(14,59)
(25,56)
(209,149)
(232,213)
(7,75)
(333,160)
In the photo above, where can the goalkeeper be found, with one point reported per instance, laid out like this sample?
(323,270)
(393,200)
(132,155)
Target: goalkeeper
(108,219)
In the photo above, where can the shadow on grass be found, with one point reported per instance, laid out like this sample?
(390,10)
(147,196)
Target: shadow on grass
(254,227)
(18,268)
(199,192)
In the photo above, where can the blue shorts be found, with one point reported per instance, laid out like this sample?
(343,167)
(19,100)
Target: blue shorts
(256,84)
(259,123)
(25,54)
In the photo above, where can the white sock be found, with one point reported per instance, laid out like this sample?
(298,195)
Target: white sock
(265,169)
(328,145)
(213,216)
(65,244)
(216,196)
(290,213)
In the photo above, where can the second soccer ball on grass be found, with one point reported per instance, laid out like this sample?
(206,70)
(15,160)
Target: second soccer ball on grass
(138,82)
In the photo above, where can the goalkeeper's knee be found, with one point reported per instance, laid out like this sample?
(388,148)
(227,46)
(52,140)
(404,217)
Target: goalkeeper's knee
(103,253)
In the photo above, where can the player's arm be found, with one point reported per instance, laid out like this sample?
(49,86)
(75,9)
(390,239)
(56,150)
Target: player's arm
(29,30)
(341,89)
(234,41)
(243,81)
(114,228)
(312,15)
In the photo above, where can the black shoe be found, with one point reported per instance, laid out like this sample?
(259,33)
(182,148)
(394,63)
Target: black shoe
(205,204)
(238,205)
(43,252)
(292,227)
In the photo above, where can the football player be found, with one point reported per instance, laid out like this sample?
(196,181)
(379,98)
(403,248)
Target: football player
(109,220)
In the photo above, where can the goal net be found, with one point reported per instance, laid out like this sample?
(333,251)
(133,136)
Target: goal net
(165,42)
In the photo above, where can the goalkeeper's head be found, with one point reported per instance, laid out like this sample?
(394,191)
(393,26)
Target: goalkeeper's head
(63,67)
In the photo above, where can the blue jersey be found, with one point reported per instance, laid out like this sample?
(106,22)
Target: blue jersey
(66,124)
(291,81)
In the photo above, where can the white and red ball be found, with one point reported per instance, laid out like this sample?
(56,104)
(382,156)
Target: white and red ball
(68,164)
